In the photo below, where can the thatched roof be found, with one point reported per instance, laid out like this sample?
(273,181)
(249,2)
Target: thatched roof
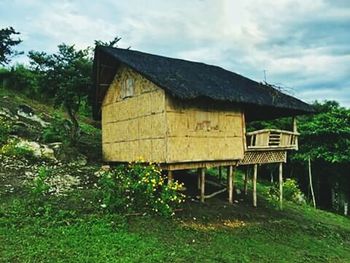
(188,80)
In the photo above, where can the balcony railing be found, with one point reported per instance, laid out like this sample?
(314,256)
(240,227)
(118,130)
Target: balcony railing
(272,139)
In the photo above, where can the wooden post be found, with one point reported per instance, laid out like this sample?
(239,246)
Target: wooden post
(255,176)
(229,184)
(295,129)
(170,176)
(281,184)
(233,181)
(198,179)
(220,173)
(311,185)
(246,180)
(202,176)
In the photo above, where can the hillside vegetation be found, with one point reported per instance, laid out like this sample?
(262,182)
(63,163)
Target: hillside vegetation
(70,224)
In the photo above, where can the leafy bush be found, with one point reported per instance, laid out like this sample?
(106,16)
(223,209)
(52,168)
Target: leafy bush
(139,188)
(5,129)
(22,79)
(40,182)
(291,192)
(57,131)
(13,149)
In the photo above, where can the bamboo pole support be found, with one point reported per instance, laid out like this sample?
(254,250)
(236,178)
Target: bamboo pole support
(246,181)
(202,176)
(311,185)
(170,177)
(295,129)
(281,184)
(255,176)
(229,184)
(198,179)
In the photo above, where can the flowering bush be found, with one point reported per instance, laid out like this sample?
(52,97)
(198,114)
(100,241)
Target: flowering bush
(140,188)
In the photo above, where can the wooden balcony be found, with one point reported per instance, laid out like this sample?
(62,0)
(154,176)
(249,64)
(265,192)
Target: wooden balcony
(272,140)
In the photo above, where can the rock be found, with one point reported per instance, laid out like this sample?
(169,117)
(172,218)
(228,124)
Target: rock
(28,113)
(47,152)
(25,109)
(39,150)
(32,146)
(55,145)
(4,112)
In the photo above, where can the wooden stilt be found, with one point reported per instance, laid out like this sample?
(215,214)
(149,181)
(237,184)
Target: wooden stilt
(220,173)
(255,176)
(281,184)
(170,177)
(202,184)
(198,179)
(229,184)
(246,181)
(311,185)
(295,129)
(233,181)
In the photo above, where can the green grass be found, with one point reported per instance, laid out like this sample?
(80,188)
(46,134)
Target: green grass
(213,232)
(75,229)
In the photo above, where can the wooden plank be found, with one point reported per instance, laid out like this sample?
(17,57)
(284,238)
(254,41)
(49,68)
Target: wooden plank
(272,130)
(215,193)
(255,176)
(194,165)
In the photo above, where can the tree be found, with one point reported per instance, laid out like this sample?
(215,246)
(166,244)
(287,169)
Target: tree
(112,43)
(66,77)
(7,43)
(325,139)
(326,135)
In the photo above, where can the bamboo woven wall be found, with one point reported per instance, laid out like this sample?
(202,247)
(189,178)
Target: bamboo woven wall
(133,127)
(202,134)
(158,128)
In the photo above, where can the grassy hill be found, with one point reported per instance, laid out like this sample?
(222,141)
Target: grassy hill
(72,226)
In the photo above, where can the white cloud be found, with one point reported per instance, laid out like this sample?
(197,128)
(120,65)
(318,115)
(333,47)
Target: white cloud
(300,43)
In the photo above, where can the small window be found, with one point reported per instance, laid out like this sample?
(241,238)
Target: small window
(127,88)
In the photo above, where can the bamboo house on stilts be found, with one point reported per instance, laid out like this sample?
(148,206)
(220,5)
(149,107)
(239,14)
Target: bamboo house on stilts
(187,115)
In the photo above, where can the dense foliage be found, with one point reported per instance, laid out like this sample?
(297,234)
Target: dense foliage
(325,135)
(65,76)
(7,42)
(325,139)
(139,188)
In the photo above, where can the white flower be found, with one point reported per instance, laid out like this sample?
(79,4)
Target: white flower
(103,205)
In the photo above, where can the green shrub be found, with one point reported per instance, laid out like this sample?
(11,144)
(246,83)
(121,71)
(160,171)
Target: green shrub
(40,183)
(5,129)
(22,79)
(13,149)
(57,131)
(139,188)
(291,192)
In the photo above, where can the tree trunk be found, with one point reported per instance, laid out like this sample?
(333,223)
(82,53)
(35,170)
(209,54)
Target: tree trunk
(74,129)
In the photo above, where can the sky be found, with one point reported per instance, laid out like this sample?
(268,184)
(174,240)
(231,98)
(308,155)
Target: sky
(301,45)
